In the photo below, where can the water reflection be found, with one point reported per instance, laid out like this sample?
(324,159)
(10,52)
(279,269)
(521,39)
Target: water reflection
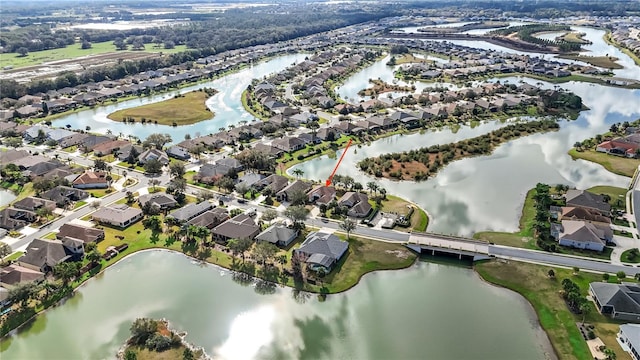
(233,322)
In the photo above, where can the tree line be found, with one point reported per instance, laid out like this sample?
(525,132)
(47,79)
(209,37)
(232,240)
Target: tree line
(526,32)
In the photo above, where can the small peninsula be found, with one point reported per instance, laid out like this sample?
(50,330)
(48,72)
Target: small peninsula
(421,163)
(155,340)
(183,109)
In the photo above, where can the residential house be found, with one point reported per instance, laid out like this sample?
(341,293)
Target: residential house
(73,140)
(13,219)
(287,191)
(210,218)
(119,215)
(408,120)
(587,200)
(582,234)
(358,204)
(43,255)
(268,149)
(190,211)
(209,173)
(63,195)
(10,156)
(84,233)
(577,213)
(328,134)
(321,250)
(619,147)
(273,182)
(231,163)
(109,147)
(14,274)
(239,227)
(629,339)
(31,203)
(322,195)
(129,153)
(178,152)
(620,301)
(278,234)
(160,200)
(91,180)
(153,154)
(248,180)
(42,168)
(289,144)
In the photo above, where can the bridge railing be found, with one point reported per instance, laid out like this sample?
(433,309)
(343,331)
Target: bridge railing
(450,237)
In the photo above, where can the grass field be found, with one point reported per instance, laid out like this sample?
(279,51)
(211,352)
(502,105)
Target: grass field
(184,110)
(419,219)
(14,256)
(70,52)
(615,164)
(607,62)
(532,282)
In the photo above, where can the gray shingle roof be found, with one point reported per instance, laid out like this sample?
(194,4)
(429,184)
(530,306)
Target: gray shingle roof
(191,210)
(276,233)
(623,297)
(587,199)
(324,244)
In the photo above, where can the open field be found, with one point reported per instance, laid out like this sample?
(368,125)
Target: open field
(73,51)
(532,282)
(183,110)
(607,62)
(615,164)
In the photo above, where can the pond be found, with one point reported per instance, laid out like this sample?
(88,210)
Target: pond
(443,309)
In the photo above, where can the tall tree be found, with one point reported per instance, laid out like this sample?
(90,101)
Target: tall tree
(157,141)
(348,226)
(264,251)
(177,169)
(240,246)
(297,214)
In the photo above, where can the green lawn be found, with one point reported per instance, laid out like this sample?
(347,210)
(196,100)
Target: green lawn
(79,204)
(14,256)
(532,282)
(70,52)
(365,256)
(184,110)
(626,257)
(98,193)
(419,219)
(615,164)
(616,194)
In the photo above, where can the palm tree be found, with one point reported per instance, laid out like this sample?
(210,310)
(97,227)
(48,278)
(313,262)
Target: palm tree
(584,309)
(298,173)
(372,187)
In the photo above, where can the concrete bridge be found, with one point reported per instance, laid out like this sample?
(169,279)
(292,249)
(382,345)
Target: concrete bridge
(436,244)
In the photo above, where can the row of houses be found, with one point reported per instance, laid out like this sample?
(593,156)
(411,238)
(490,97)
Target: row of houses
(584,222)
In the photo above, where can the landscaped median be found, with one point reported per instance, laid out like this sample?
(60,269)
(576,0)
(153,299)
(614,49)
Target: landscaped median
(544,294)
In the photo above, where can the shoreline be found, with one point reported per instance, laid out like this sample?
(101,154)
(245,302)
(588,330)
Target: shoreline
(532,312)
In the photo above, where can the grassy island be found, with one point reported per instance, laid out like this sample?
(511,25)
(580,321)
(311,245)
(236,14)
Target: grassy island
(183,109)
(424,162)
(607,62)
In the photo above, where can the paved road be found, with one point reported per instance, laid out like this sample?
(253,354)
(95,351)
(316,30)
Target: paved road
(561,260)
